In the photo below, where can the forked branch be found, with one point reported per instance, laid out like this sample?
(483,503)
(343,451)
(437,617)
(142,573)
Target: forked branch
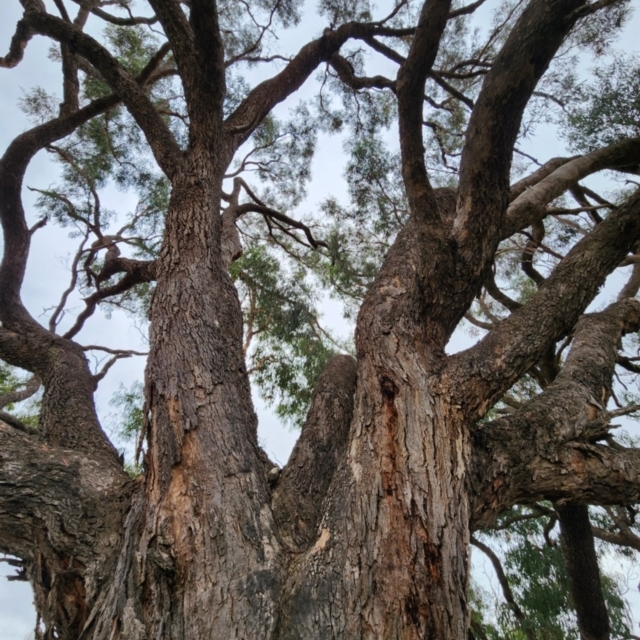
(561,423)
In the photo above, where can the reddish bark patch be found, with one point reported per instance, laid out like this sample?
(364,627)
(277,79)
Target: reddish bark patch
(389,393)
(433,561)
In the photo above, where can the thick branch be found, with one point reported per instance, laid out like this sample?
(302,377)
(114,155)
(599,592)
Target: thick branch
(303,483)
(534,178)
(264,97)
(412,76)
(570,410)
(497,361)
(531,203)
(52,496)
(19,42)
(493,128)
(163,145)
(622,538)
(581,563)
(345,72)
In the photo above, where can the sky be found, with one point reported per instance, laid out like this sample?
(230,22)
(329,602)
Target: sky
(47,273)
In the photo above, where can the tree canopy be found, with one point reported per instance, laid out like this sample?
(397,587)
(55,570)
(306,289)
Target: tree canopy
(447,224)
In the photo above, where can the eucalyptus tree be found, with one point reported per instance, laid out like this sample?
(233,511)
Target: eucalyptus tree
(406,451)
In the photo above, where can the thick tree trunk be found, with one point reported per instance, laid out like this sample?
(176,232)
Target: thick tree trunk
(373,543)
(378,549)
(207,518)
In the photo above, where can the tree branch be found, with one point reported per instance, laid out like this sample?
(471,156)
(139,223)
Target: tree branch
(303,483)
(264,97)
(534,178)
(532,202)
(137,272)
(346,73)
(31,386)
(566,416)
(19,42)
(485,164)
(624,539)
(163,145)
(120,22)
(412,76)
(466,10)
(506,588)
(521,339)
(581,563)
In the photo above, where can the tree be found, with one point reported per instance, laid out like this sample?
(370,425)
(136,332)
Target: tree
(406,450)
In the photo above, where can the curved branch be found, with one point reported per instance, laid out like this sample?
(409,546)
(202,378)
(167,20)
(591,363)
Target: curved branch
(412,76)
(534,178)
(264,97)
(496,362)
(13,164)
(498,295)
(137,272)
(566,416)
(276,215)
(30,388)
(107,17)
(531,203)
(303,483)
(19,42)
(162,142)
(506,588)
(345,72)
(493,128)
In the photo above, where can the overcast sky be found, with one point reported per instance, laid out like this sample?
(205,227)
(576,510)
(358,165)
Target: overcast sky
(47,274)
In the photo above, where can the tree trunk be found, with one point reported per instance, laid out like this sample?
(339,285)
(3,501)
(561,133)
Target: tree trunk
(372,542)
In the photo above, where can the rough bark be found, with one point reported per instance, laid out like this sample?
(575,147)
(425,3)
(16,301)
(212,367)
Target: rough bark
(299,494)
(68,559)
(365,533)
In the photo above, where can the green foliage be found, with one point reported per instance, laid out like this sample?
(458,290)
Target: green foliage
(281,154)
(532,561)
(341,11)
(12,379)
(282,283)
(130,417)
(285,344)
(609,107)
